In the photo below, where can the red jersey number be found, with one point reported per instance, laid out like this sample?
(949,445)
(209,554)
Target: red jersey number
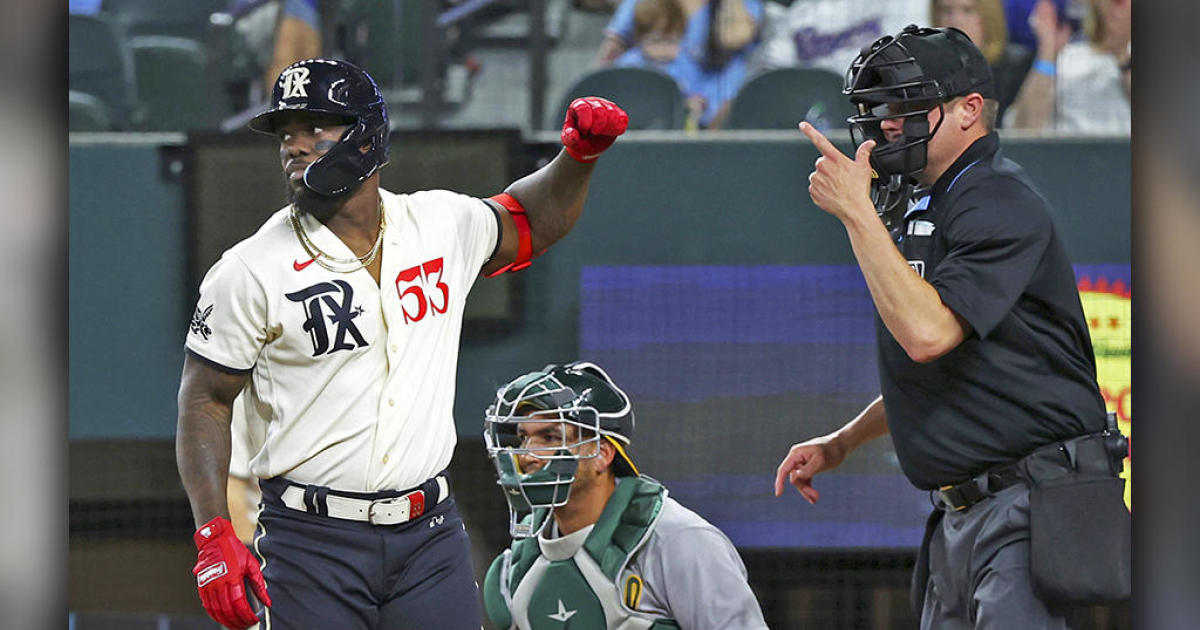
(412,284)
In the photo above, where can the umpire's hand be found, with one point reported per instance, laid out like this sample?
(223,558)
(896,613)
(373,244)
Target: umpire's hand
(805,460)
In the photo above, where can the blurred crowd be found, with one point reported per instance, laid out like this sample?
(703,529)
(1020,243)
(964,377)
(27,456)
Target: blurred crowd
(1060,65)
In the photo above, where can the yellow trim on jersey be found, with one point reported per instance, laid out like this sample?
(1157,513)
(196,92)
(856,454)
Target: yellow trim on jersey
(624,455)
(633,591)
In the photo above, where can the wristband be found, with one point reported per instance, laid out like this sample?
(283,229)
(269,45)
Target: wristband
(1048,68)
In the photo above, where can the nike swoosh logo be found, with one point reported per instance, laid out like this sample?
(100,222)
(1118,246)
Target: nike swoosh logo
(299,266)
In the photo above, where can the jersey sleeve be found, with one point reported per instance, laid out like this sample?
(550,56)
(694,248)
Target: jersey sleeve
(994,246)
(703,580)
(476,228)
(230,317)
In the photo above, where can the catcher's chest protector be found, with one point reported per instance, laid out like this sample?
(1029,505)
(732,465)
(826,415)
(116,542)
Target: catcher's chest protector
(525,590)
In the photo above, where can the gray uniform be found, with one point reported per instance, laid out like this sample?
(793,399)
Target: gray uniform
(685,571)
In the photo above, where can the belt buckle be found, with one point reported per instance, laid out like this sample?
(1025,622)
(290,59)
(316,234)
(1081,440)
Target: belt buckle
(413,504)
(944,493)
(382,508)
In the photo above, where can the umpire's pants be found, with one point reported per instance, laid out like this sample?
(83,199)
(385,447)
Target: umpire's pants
(979,570)
(324,572)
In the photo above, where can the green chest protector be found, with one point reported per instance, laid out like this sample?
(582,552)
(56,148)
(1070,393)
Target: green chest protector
(526,590)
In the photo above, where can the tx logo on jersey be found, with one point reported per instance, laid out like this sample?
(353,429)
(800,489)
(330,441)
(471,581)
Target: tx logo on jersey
(563,614)
(338,298)
(294,80)
(199,325)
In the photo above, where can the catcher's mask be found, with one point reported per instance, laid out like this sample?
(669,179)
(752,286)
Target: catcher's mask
(573,406)
(907,76)
(342,89)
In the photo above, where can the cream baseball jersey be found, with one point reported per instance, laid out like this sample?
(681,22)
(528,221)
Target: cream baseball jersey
(354,380)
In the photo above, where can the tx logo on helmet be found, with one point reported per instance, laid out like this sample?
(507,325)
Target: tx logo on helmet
(294,80)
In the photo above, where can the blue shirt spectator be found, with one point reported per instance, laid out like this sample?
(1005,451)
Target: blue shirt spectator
(711,83)
(84,7)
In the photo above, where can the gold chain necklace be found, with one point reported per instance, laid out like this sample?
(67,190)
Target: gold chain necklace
(333,263)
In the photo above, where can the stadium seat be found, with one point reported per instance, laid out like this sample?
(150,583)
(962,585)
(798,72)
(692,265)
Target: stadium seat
(173,84)
(87,113)
(781,98)
(651,98)
(393,58)
(99,63)
(178,18)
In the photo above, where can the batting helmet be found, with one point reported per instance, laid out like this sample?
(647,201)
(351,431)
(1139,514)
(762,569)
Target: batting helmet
(580,394)
(907,76)
(337,88)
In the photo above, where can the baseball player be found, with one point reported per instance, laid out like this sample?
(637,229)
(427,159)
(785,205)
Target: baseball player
(340,321)
(986,367)
(599,545)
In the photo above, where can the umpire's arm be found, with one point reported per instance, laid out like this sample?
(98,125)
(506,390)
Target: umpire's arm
(202,440)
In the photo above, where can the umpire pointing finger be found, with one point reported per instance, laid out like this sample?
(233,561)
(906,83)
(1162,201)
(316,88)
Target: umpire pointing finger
(986,366)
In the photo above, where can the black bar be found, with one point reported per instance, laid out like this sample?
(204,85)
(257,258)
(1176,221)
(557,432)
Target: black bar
(537,63)
(431,46)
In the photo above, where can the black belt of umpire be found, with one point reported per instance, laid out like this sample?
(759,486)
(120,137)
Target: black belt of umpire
(961,496)
(389,507)
(1092,452)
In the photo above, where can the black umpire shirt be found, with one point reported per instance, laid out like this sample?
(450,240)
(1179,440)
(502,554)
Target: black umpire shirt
(1025,376)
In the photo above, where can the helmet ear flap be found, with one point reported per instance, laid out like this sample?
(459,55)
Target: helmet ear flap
(338,88)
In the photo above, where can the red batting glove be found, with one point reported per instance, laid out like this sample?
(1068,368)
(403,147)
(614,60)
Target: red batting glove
(591,126)
(224,562)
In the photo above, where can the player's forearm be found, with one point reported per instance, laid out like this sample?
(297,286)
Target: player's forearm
(202,447)
(909,306)
(553,197)
(866,426)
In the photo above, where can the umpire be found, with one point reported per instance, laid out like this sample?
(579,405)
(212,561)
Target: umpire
(986,368)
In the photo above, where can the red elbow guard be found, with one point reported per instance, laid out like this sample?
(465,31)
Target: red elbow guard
(524,236)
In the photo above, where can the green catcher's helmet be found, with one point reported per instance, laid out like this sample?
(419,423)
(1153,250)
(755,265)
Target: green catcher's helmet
(579,394)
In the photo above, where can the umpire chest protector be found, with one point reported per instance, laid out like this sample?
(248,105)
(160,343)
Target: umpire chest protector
(527,590)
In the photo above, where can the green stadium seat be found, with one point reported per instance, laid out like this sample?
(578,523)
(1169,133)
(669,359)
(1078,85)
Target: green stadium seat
(87,113)
(99,63)
(781,98)
(174,85)
(178,18)
(651,98)
(393,59)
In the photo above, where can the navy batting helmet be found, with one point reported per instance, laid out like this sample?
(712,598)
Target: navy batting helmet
(906,76)
(337,88)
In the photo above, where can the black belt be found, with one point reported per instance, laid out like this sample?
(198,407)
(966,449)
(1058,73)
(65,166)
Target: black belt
(1101,451)
(961,496)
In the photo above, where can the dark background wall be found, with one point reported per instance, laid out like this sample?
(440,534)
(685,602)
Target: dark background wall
(717,200)
(652,202)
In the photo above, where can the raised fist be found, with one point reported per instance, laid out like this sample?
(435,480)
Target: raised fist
(223,563)
(591,126)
